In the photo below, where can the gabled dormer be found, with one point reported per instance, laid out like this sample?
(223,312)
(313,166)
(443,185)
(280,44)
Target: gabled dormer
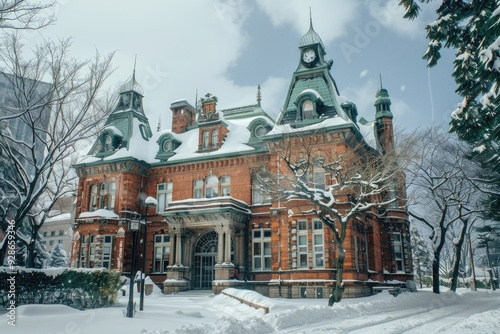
(212,130)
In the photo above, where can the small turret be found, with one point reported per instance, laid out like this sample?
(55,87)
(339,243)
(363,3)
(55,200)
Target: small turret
(383,120)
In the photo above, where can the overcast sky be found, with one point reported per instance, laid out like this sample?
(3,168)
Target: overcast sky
(228,47)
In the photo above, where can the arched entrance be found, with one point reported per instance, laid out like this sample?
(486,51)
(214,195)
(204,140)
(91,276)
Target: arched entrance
(205,254)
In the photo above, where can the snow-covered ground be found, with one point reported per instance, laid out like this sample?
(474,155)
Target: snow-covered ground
(202,313)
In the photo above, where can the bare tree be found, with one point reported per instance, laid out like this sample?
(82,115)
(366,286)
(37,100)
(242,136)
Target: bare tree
(26,14)
(442,197)
(59,103)
(358,180)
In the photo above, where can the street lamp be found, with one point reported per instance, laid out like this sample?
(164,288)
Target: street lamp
(149,201)
(134,227)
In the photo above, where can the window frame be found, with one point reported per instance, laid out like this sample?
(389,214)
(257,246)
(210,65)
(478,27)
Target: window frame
(161,242)
(261,244)
(164,196)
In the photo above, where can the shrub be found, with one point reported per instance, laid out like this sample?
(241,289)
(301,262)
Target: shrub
(79,288)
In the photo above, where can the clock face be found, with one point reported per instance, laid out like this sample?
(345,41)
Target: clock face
(309,55)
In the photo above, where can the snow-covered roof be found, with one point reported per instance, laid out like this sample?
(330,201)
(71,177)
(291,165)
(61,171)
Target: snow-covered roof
(99,214)
(146,150)
(321,124)
(62,216)
(114,129)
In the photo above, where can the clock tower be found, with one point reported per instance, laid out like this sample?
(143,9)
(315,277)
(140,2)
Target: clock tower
(313,95)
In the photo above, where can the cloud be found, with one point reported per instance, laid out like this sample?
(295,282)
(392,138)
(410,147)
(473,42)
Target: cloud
(330,18)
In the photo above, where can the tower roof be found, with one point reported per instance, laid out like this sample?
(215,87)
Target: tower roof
(132,85)
(311,37)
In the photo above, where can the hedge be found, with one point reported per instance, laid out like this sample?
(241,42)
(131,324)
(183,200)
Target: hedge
(78,288)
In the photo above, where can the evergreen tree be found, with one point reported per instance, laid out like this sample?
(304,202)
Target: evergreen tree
(472,29)
(58,257)
(422,257)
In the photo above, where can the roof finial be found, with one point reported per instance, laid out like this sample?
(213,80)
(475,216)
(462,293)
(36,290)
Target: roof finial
(259,95)
(159,124)
(133,73)
(380,75)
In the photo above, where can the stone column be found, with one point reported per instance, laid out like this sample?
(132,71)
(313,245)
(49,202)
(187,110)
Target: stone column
(220,244)
(178,248)
(229,231)
(171,257)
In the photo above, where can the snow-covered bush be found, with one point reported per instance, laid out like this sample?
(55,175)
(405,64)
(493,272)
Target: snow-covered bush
(79,288)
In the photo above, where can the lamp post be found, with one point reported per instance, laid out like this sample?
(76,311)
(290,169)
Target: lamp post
(150,201)
(134,227)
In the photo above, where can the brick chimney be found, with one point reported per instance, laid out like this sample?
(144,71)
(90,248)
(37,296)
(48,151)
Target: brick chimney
(183,115)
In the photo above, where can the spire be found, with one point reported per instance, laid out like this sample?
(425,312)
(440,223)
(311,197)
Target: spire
(310,19)
(132,84)
(159,124)
(259,96)
(380,75)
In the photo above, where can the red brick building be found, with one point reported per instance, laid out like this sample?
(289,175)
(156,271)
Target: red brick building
(213,227)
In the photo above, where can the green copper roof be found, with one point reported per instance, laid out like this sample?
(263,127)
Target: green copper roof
(311,37)
(383,104)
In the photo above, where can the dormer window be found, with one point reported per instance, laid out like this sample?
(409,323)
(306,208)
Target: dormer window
(258,128)
(307,109)
(108,143)
(110,140)
(260,131)
(167,146)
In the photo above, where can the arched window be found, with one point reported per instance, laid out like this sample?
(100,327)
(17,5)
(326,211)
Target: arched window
(108,143)
(307,109)
(211,187)
(93,198)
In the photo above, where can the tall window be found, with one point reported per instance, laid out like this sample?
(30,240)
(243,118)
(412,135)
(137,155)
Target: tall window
(398,251)
(211,187)
(318,244)
(102,195)
(319,178)
(163,195)
(225,186)
(111,195)
(93,198)
(302,244)
(261,249)
(205,139)
(107,247)
(259,196)
(198,188)
(215,138)
(161,252)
